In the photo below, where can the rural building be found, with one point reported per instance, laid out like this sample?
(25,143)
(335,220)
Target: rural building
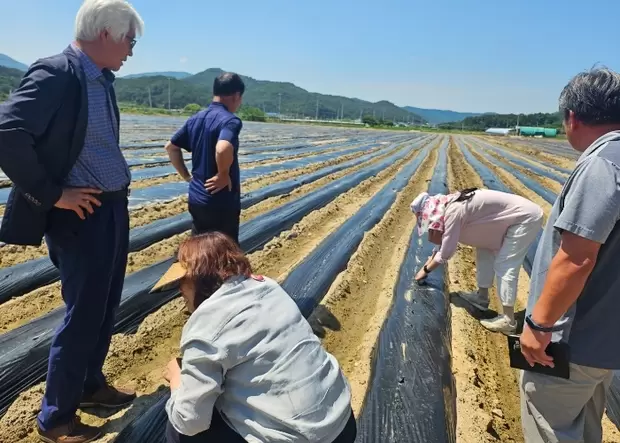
(498,131)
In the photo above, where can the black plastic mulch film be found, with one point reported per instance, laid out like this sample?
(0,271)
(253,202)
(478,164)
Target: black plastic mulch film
(23,361)
(307,283)
(22,278)
(411,397)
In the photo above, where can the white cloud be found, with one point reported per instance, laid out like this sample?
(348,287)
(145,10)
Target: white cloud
(183,60)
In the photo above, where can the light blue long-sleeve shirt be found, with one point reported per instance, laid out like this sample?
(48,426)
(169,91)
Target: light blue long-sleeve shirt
(248,352)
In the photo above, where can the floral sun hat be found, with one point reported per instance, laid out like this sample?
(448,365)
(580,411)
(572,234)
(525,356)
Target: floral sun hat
(430,210)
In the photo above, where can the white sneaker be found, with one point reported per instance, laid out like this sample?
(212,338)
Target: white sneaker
(501,323)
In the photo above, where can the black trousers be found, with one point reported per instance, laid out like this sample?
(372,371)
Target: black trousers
(209,219)
(221,432)
(91,256)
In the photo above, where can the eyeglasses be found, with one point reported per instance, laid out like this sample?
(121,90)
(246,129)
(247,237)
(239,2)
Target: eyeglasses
(132,42)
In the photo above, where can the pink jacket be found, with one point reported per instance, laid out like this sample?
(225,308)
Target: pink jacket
(482,222)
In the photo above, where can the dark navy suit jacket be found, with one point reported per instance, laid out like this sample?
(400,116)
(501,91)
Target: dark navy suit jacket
(42,131)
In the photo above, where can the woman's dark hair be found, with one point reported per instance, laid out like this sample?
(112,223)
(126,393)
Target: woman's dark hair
(209,260)
(466,194)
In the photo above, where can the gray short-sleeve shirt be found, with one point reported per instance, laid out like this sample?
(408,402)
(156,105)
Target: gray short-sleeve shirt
(589,206)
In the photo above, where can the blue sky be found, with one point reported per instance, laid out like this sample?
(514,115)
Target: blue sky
(464,55)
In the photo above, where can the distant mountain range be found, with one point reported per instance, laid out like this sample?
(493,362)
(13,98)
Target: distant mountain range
(271,97)
(8,62)
(438,116)
(151,88)
(173,74)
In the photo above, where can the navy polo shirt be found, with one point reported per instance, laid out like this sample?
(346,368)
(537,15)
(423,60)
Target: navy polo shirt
(199,135)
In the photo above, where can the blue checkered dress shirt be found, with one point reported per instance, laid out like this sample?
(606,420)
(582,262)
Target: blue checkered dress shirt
(101,164)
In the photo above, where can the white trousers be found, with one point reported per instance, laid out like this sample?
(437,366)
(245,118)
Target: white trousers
(506,264)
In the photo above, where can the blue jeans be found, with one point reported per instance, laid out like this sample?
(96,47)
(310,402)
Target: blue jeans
(91,256)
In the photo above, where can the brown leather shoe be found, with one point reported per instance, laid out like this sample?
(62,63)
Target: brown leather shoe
(74,432)
(108,397)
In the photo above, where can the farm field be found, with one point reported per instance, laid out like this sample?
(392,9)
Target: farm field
(325,213)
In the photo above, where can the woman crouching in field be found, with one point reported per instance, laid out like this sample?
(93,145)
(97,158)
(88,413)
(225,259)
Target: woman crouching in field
(252,369)
(499,225)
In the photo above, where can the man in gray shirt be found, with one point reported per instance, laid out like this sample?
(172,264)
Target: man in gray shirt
(575,287)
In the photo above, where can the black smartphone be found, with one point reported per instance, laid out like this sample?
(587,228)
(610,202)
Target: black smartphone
(558,350)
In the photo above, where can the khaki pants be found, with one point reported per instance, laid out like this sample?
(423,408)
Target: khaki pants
(555,410)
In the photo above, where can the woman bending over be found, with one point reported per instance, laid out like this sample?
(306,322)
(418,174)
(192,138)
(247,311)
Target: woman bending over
(251,368)
(500,226)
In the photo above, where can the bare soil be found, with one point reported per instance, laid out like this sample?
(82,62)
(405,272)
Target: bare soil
(148,182)
(286,158)
(562,162)
(349,318)
(540,162)
(280,200)
(259,182)
(355,308)
(467,268)
(11,254)
(137,360)
(487,393)
(545,181)
(19,311)
(514,184)
(301,239)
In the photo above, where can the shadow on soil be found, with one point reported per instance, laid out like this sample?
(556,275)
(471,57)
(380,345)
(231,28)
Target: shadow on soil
(139,406)
(322,319)
(478,314)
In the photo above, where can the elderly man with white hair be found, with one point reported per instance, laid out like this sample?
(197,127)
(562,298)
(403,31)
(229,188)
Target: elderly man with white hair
(59,144)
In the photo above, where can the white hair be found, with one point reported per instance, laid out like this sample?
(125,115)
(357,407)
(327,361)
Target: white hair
(117,17)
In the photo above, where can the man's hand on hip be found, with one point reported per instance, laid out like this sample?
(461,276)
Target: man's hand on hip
(78,200)
(218,182)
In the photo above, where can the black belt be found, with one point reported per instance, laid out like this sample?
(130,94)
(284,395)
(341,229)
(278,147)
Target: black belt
(114,195)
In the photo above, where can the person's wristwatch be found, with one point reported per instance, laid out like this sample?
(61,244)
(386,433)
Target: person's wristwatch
(536,327)
(426,270)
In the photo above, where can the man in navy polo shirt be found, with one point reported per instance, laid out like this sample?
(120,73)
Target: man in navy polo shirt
(212,136)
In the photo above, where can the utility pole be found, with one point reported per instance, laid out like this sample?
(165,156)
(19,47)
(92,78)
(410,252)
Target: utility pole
(168,93)
(341,111)
(317,110)
(150,99)
(280,105)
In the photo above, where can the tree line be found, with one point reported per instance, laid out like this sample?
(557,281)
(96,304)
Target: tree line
(270,97)
(486,121)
